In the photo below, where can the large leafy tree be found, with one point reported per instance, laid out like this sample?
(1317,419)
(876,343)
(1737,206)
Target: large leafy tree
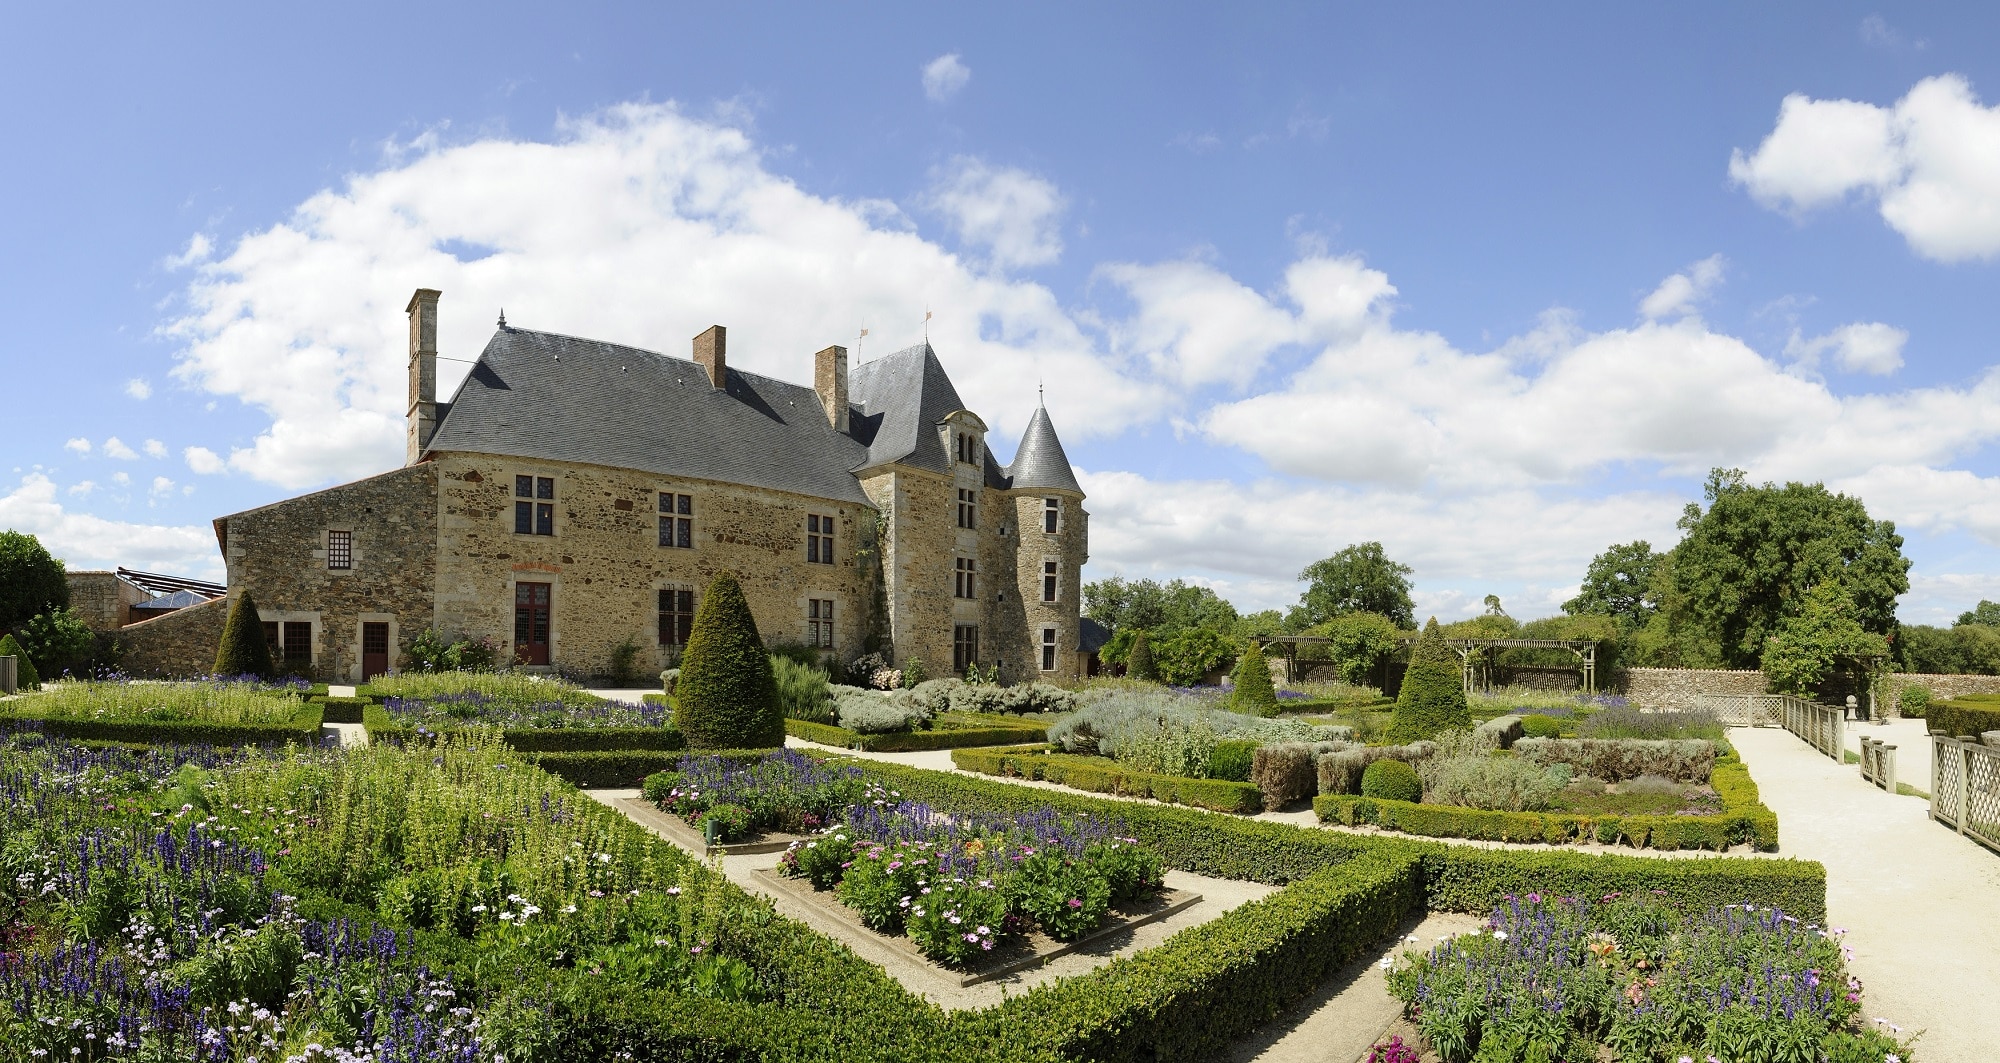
(1748,560)
(1162,608)
(1619,583)
(1962,649)
(1357,642)
(1810,643)
(32,581)
(1987,613)
(1359,579)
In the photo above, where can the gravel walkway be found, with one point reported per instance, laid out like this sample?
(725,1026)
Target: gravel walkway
(1918,901)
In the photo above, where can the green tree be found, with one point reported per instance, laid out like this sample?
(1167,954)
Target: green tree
(1987,613)
(1619,583)
(58,640)
(1432,700)
(24,666)
(32,581)
(1188,655)
(727,697)
(1253,691)
(1749,559)
(1812,642)
(1358,642)
(1672,637)
(1962,649)
(1139,662)
(244,650)
(1162,608)
(1267,622)
(1358,579)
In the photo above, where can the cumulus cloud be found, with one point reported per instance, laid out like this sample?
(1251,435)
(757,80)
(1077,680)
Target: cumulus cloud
(1680,293)
(115,448)
(139,389)
(1871,347)
(1013,214)
(944,76)
(303,320)
(85,542)
(203,461)
(198,248)
(80,445)
(155,449)
(1931,162)
(82,487)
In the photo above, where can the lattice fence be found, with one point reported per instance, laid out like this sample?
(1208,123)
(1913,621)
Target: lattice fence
(1741,710)
(1820,725)
(1965,789)
(1878,763)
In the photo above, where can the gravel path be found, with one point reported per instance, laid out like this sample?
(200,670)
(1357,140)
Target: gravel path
(1918,901)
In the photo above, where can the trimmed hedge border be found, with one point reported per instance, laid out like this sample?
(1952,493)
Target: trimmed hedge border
(383,727)
(1103,776)
(304,729)
(1960,718)
(624,768)
(1296,706)
(914,741)
(341,710)
(1744,820)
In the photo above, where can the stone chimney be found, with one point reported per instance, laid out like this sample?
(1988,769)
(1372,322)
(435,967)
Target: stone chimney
(711,349)
(423,311)
(830,380)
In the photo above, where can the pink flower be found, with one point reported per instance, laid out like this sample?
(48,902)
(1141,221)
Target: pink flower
(1074,903)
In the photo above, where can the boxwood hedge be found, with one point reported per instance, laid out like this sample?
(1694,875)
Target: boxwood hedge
(914,741)
(1100,775)
(1962,717)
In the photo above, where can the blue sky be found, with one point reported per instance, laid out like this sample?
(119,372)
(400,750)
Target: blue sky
(1492,288)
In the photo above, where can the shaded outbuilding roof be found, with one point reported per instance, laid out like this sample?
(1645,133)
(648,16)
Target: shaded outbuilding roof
(1090,635)
(561,398)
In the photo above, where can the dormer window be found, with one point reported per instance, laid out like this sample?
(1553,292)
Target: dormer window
(968,448)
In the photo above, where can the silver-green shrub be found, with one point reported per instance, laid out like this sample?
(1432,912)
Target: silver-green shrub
(1616,759)
(1501,732)
(1121,724)
(876,712)
(1339,772)
(1464,772)
(1175,749)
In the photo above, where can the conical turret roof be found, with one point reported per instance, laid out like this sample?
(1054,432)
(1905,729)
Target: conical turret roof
(1040,464)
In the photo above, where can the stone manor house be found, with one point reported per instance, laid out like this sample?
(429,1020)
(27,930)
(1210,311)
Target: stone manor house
(575,494)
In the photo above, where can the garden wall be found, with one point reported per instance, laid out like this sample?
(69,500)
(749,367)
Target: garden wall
(1941,687)
(1682,688)
(181,643)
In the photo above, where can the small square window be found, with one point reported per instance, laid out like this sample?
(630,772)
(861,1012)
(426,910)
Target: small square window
(524,487)
(819,539)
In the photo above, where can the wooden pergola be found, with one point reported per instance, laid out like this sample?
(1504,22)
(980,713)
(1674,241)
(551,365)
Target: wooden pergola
(1471,653)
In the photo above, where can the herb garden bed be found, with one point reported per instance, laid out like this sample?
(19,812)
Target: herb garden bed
(677,830)
(221,710)
(533,715)
(948,731)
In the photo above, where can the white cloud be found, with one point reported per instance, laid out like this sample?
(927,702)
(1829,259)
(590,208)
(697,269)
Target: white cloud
(155,449)
(1194,324)
(1012,213)
(86,542)
(199,247)
(139,389)
(114,448)
(79,445)
(1679,293)
(82,488)
(203,461)
(162,485)
(121,479)
(1932,161)
(944,76)
(1870,347)
(303,321)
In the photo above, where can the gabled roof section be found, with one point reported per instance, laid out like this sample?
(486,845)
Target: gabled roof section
(899,400)
(1040,463)
(561,398)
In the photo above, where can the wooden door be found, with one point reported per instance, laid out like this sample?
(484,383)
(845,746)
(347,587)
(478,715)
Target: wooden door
(531,623)
(374,650)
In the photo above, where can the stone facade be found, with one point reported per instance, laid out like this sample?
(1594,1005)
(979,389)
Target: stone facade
(279,553)
(181,643)
(103,600)
(1680,688)
(605,567)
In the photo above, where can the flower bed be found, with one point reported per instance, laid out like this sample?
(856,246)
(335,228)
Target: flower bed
(228,710)
(1105,776)
(782,790)
(949,731)
(533,715)
(1558,977)
(960,884)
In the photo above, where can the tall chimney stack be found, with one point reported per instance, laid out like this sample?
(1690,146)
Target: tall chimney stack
(422,417)
(830,380)
(711,349)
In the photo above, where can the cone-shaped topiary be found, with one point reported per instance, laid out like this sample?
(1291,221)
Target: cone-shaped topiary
(1139,663)
(726,696)
(243,650)
(24,670)
(1433,695)
(1253,691)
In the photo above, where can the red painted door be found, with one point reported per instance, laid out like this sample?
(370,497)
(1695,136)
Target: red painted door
(374,650)
(531,623)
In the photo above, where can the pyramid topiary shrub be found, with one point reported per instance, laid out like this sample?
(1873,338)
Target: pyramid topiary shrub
(1139,664)
(243,650)
(1253,691)
(1433,696)
(24,672)
(726,696)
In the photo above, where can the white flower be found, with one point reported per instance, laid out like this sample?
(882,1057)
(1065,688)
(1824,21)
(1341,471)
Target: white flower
(1499,935)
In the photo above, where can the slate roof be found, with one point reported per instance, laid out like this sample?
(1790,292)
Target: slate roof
(1040,462)
(899,400)
(1090,635)
(560,398)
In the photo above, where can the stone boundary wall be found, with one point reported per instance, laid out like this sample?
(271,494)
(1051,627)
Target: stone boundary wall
(1679,689)
(181,643)
(1941,687)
